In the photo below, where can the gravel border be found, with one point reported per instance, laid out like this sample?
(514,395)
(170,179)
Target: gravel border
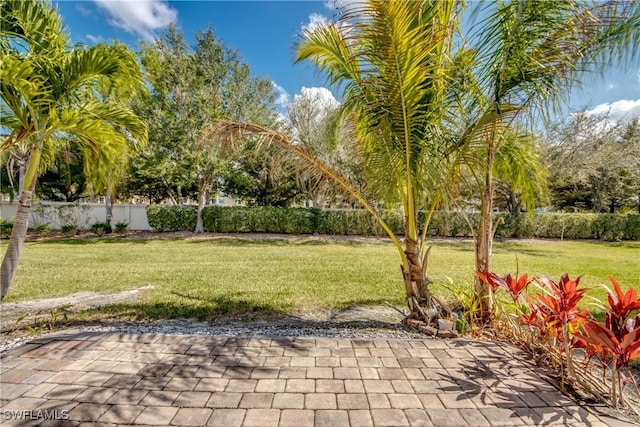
(286,327)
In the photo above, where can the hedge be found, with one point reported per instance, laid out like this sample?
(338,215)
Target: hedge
(359,222)
(172,218)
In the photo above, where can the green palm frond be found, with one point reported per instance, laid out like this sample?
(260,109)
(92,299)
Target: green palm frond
(519,164)
(527,56)
(52,92)
(227,134)
(113,67)
(531,52)
(392,59)
(35,25)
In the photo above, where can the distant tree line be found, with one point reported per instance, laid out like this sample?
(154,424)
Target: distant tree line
(582,162)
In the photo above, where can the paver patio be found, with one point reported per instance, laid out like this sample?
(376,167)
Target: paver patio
(109,379)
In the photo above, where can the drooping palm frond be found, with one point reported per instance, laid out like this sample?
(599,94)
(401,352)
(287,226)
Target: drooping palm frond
(519,165)
(227,134)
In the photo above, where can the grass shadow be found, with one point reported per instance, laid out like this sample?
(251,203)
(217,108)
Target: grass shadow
(285,240)
(242,241)
(231,308)
(225,305)
(619,244)
(83,241)
(528,249)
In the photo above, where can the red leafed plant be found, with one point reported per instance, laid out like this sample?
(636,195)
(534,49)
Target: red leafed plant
(559,310)
(622,304)
(513,286)
(619,337)
(623,348)
(560,306)
(556,325)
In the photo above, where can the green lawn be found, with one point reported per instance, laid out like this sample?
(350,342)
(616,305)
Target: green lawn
(208,277)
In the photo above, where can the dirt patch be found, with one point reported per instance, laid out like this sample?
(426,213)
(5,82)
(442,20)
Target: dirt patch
(41,308)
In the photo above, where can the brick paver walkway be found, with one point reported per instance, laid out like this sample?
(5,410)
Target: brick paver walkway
(145,379)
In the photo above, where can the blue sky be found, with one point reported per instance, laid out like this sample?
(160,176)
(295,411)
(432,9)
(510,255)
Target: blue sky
(265,33)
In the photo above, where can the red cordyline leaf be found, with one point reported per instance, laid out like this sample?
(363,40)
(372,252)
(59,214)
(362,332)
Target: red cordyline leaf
(622,351)
(565,295)
(516,286)
(508,283)
(491,279)
(534,319)
(622,304)
(589,348)
(562,305)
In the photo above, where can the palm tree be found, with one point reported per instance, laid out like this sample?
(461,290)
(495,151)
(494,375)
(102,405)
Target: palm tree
(528,54)
(51,93)
(392,59)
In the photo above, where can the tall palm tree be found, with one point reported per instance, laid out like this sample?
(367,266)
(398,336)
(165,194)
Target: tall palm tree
(528,55)
(52,92)
(392,59)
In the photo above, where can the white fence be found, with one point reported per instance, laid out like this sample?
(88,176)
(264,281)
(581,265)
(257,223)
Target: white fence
(55,214)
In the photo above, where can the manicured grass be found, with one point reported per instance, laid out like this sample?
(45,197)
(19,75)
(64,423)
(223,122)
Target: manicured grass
(209,277)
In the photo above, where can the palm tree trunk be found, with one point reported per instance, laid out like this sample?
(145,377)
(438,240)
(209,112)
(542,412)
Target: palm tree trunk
(202,198)
(20,225)
(108,202)
(22,167)
(484,239)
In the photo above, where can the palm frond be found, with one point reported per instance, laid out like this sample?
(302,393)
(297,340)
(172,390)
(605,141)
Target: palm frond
(519,165)
(392,60)
(33,27)
(227,134)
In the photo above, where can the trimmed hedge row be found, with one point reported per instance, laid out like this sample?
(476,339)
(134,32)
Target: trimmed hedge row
(172,218)
(359,222)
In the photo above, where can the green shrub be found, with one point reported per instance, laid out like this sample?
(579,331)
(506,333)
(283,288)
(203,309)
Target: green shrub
(42,228)
(172,218)
(258,219)
(6,226)
(68,229)
(632,227)
(561,225)
(347,222)
(239,219)
(122,227)
(609,227)
(100,227)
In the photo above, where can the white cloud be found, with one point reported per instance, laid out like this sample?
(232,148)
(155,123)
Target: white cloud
(94,39)
(338,4)
(140,17)
(320,95)
(623,109)
(315,20)
(282,96)
(83,10)
(611,86)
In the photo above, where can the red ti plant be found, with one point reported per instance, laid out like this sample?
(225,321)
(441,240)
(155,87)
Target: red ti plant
(514,286)
(622,347)
(619,337)
(559,310)
(622,304)
(534,319)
